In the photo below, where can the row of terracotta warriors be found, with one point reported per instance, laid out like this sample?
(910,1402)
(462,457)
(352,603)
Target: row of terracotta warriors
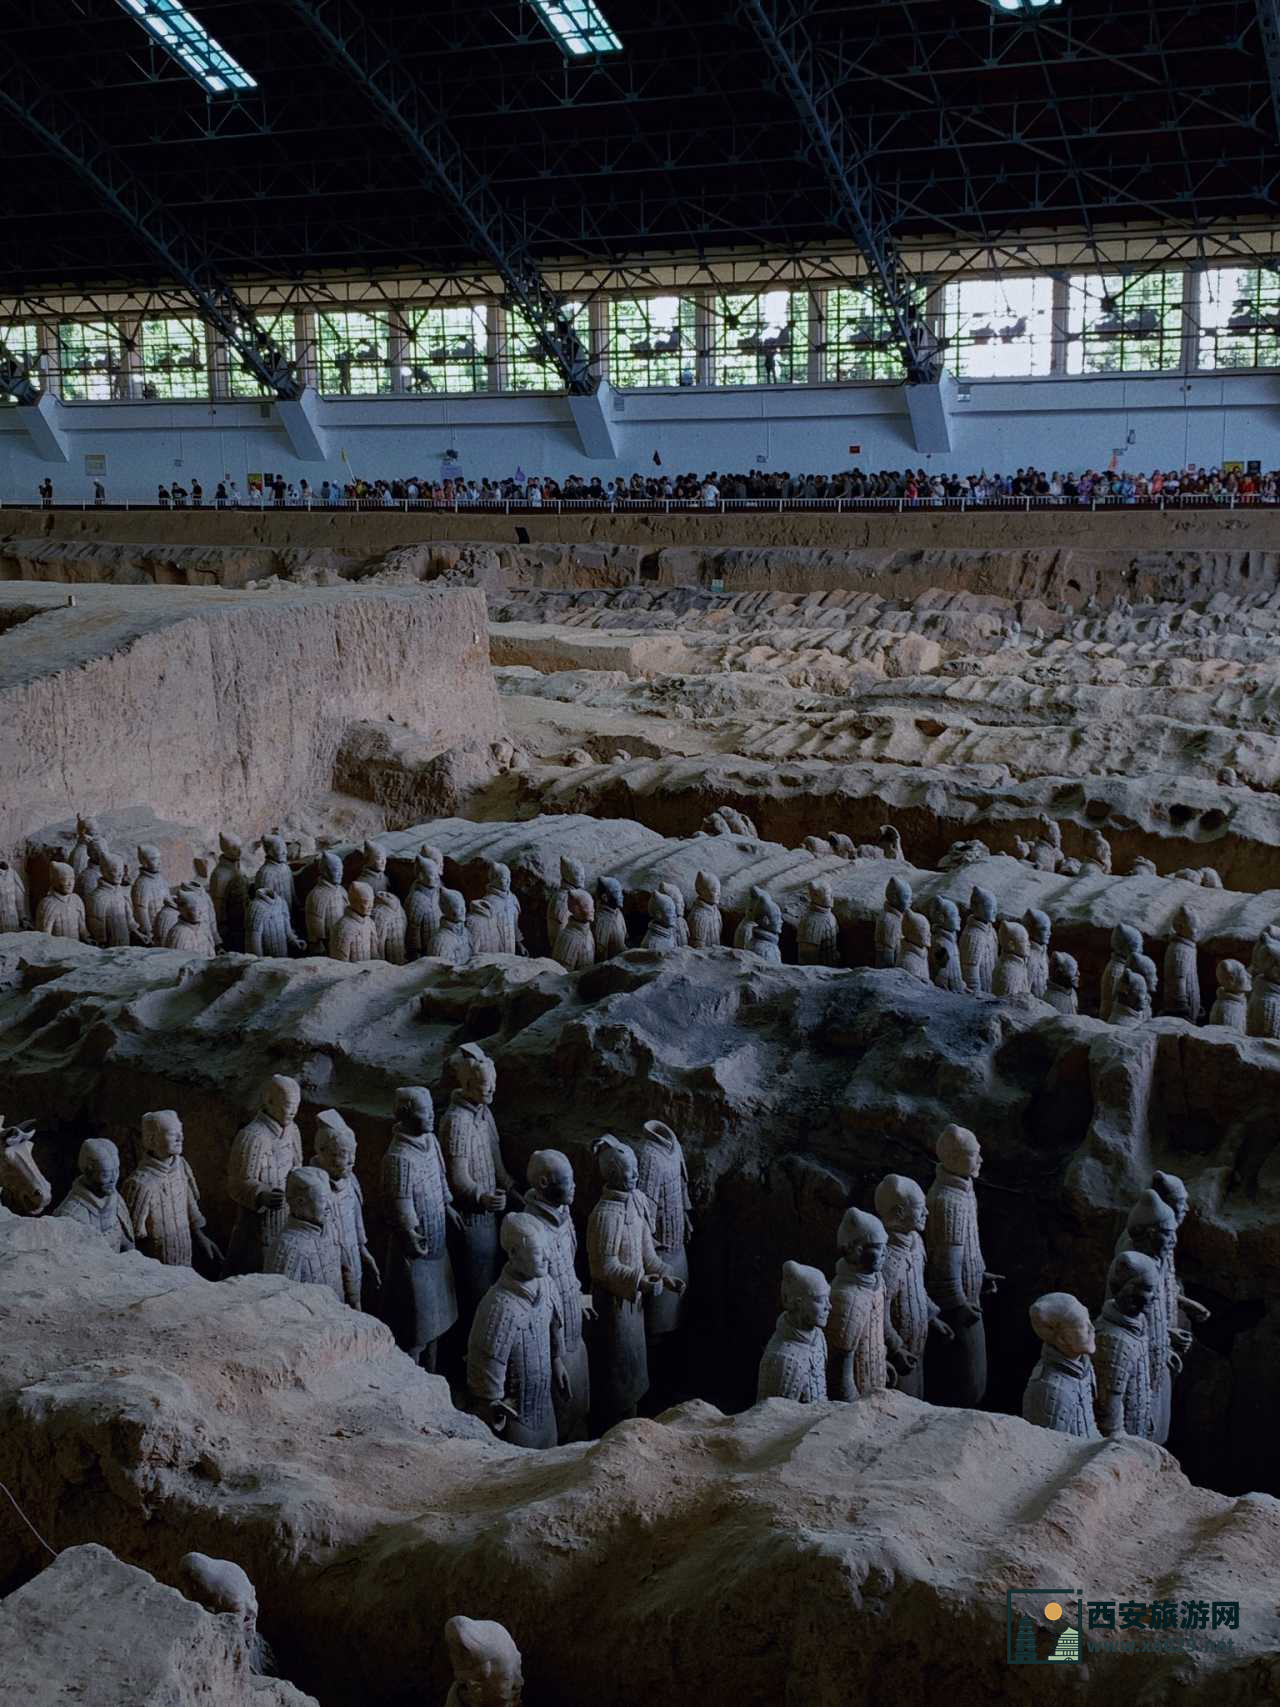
(905,1310)
(464,1242)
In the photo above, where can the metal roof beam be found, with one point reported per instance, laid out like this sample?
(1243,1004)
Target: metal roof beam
(66,134)
(1269,24)
(781,30)
(406,107)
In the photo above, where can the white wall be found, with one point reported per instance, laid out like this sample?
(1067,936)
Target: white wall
(1053,423)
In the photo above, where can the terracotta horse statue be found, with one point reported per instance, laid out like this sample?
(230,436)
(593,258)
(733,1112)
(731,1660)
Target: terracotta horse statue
(20,1178)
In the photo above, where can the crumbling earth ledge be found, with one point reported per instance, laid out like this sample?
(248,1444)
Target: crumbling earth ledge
(809,1556)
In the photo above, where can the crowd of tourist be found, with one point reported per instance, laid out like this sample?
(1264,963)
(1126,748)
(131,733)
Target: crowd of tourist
(1231,484)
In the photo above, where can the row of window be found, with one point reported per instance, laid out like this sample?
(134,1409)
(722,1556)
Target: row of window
(992,327)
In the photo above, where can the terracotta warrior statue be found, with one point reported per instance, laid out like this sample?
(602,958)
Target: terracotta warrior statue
(1046,851)
(675,895)
(1121,1358)
(1152,1228)
(706,922)
(326,903)
(299,1250)
(419,1300)
(163,1199)
(956,1276)
(664,1180)
(1126,941)
(93,1199)
(268,930)
(1184,1313)
(1097,854)
(611,926)
(1130,999)
(1060,1393)
(575,946)
(1181,973)
(910,1315)
(978,942)
(661,936)
(374,870)
(1262,1013)
(15,915)
(449,941)
(1039,929)
(625,1269)
(817,935)
(390,929)
(190,931)
(263,1153)
(222,1587)
(747,923)
(856,1363)
(1145,967)
(515,1351)
(166,920)
(229,891)
(915,945)
(87,830)
(572,876)
(478,1178)
(794,1365)
(766,932)
(549,1200)
(1230,1007)
(150,890)
(348,1257)
(355,936)
(1011,974)
(109,908)
(88,879)
(897,903)
(944,955)
(422,907)
(274,875)
(486,1664)
(1064,983)
(61,913)
(493,922)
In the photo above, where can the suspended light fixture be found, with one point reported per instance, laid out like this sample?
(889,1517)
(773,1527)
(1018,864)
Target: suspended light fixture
(1021,8)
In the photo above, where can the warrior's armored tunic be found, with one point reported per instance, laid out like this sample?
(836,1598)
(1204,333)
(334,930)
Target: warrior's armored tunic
(345,1240)
(856,1326)
(473,1160)
(575,946)
(353,938)
(1122,1366)
(664,1180)
(109,913)
(978,955)
(107,1216)
(299,1253)
(262,1157)
(389,928)
(419,1303)
(63,915)
(514,1339)
(422,917)
(954,1272)
(794,1365)
(817,938)
(150,892)
(1060,1394)
(706,925)
(562,1246)
(326,904)
(164,1205)
(908,1308)
(267,926)
(620,1251)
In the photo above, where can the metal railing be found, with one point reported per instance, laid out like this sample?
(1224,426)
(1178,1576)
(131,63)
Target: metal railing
(680,506)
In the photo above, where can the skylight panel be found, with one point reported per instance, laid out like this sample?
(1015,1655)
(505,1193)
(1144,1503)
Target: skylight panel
(579,26)
(190,45)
